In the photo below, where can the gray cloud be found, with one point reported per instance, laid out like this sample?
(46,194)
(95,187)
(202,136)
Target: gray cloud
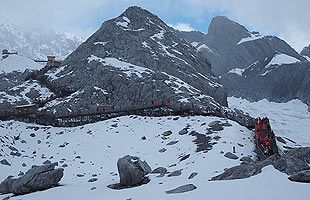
(289,19)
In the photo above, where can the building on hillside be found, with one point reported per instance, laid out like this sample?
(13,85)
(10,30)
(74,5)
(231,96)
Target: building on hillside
(6,53)
(52,62)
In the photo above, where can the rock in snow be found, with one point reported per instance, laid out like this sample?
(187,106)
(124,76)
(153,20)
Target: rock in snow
(182,189)
(38,178)
(294,161)
(5,162)
(6,185)
(303,177)
(231,156)
(132,170)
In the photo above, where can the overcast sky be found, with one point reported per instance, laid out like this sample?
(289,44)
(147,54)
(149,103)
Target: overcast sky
(288,19)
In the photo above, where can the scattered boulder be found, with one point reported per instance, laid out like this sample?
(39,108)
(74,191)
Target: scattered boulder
(175,173)
(302,177)
(13,148)
(38,178)
(6,185)
(47,162)
(185,157)
(192,175)
(202,142)
(143,138)
(172,142)
(159,170)
(216,126)
(132,171)
(231,156)
(246,160)
(15,153)
(182,189)
(5,162)
(92,180)
(183,131)
(280,139)
(167,133)
(64,165)
(162,150)
(21,173)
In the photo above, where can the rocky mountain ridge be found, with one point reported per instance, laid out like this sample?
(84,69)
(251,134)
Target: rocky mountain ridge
(135,59)
(253,66)
(230,45)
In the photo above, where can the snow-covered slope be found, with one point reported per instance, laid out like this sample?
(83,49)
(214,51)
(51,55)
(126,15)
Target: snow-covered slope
(92,151)
(289,120)
(14,90)
(37,43)
(17,63)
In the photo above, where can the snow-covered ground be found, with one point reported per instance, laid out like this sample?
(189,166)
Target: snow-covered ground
(17,63)
(289,120)
(94,149)
(252,37)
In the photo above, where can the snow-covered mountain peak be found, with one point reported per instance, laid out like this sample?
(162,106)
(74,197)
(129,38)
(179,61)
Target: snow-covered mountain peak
(306,52)
(136,58)
(36,43)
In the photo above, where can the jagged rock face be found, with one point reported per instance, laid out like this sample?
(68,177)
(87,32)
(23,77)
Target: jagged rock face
(38,178)
(135,59)
(243,61)
(229,45)
(6,185)
(306,51)
(280,83)
(303,177)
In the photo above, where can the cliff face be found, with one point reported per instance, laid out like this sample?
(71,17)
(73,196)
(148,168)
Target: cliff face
(133,60)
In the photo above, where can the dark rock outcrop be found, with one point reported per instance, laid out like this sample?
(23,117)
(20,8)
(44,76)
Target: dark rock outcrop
(241,59)
(192,175)
(6,185)
(306,51)
(5,162)
(231,156)
(182,189)
(132,171)
(246,160)
(175,173)
(303,177)
(216,126)
(294,161)
(183,131)
(38,178)
(159,170)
